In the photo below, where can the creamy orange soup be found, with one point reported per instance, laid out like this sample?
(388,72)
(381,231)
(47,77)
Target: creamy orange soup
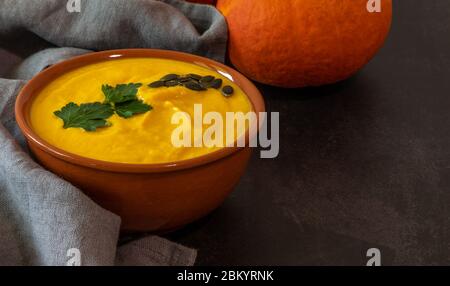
(143,138)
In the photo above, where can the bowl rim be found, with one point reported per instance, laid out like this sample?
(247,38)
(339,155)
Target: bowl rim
(39,81)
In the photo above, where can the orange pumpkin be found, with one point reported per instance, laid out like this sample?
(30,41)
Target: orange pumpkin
(297,43)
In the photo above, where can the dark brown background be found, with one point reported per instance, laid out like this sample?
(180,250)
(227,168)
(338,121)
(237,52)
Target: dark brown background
(363,163)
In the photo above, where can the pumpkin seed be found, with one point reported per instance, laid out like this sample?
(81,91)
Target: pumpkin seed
(194,86)
(207,79)
(195,76)
(194,82)
(204,85)
(171,83)
(227,91)
(170,77)
(184,79)
(157,84)
(217,83)
(188,82)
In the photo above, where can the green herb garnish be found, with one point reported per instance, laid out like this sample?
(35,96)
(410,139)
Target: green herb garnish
(121,99)
(88,116)
(120,93)
(130,108)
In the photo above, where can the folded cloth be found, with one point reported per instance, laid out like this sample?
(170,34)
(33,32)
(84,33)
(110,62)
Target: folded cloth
(115,24)
(44,220)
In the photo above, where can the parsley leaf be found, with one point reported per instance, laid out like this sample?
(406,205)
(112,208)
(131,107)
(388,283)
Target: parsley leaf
(130,108)
(88,116)
(121,92)
(121,99)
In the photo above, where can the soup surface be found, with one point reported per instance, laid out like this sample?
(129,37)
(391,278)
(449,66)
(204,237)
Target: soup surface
(143,138)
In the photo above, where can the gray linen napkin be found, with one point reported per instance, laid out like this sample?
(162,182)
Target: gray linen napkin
(42,217)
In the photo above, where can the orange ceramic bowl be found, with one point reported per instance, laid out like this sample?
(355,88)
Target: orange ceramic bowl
(148,197)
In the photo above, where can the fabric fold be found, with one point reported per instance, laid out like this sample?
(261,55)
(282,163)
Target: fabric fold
(116,24)
(42,217)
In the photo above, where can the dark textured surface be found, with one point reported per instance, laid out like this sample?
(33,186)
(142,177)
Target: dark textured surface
(363,163)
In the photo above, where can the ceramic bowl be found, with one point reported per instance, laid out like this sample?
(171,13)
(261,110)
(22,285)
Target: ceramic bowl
(148,197)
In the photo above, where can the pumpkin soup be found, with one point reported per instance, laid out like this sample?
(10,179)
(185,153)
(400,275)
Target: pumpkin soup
(121,110)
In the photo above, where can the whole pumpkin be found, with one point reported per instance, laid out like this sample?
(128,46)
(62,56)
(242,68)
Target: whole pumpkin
(297,43)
